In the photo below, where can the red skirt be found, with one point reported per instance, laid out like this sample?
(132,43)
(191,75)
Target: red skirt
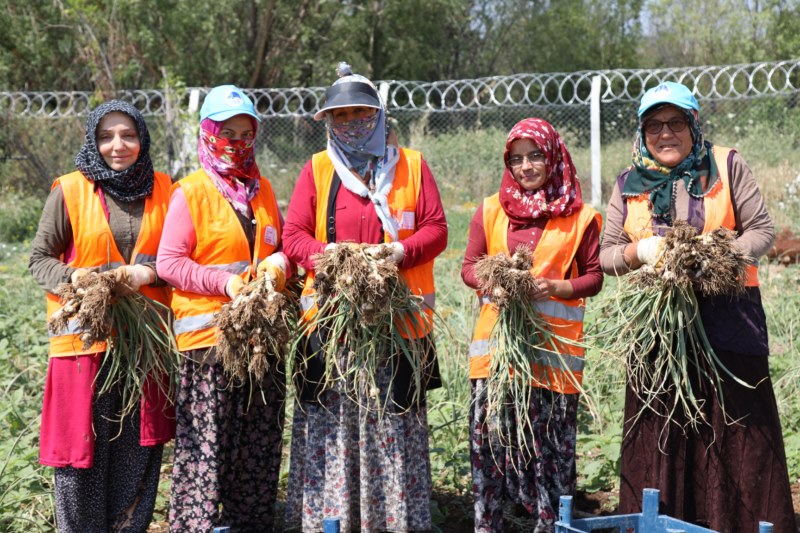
(66,437)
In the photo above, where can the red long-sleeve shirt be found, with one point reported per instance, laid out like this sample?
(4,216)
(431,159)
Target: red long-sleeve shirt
(590,276)
(357,221)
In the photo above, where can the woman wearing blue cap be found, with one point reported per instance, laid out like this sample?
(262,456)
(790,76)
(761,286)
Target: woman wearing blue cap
(723,475)
(224,227)
(372,472)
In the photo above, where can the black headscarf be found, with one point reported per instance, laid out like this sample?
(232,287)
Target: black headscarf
(133,183)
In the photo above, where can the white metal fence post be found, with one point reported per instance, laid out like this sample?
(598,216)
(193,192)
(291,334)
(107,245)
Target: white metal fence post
(594,113)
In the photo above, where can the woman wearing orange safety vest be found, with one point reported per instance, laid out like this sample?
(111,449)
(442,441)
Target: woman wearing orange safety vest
(539,206)
(371,472)
(224,229)
(107,215)
(724,476)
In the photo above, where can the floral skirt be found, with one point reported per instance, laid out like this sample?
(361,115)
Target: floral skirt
(347,462)
(118,492)
(227,450)
(535,477)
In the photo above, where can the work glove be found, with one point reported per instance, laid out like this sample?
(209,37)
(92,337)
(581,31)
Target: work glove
(330,247)
(396,251)
(78,273)
(650,250)
(234,286)
(274,269)
(129,278)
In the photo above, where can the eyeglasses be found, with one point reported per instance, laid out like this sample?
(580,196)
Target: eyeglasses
(532,158)
(654,127)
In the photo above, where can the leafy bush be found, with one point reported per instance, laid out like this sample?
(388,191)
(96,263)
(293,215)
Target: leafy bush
(19,216)
(26,501)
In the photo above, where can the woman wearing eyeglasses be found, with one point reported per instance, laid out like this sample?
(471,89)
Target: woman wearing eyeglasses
(539,205)
(724,475)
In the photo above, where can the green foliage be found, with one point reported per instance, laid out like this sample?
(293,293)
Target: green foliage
(26,502)
(468,160)
(19,216)
(108,46)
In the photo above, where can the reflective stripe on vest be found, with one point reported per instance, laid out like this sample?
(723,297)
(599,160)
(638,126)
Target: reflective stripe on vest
(553,258)
(551,359)
(402,198)
(193,323)
(95,247)
(221,245)
(717,208)
(552,308)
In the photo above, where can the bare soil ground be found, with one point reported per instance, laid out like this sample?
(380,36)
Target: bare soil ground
(786,249)
(456,511)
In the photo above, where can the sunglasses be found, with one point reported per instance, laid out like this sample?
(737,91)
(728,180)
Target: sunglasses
(654,127)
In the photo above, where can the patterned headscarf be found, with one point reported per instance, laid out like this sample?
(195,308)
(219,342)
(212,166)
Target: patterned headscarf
(650,176)
(133,183)
(361,141)
(231,165)
(560,195)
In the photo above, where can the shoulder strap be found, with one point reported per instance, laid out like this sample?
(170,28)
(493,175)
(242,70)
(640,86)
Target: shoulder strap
(330,223)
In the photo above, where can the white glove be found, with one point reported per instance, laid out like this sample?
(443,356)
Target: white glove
(396,251)
(135,276)
(77,274)
(650,250)
(330,247)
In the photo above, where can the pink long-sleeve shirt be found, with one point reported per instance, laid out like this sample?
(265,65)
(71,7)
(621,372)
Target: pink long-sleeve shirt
(174,263)
(357,221)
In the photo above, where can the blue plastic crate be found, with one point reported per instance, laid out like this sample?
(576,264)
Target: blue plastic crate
(648,521)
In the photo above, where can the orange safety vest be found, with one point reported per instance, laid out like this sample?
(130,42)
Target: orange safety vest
(221,245)
(553,259)
(95,247)
(717,205)
(402,204)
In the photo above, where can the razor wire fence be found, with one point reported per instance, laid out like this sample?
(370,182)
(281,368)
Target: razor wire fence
(459,125)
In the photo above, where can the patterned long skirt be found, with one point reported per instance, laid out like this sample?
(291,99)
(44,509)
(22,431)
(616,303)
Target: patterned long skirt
(726,476)
(372,472)
(534,478)
(227,450)
(118,493)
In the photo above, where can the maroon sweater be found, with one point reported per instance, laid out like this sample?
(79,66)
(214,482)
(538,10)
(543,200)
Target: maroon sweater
(590,276)
(357,221)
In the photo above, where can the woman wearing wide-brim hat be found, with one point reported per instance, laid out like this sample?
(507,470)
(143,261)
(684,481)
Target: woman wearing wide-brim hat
(372,472)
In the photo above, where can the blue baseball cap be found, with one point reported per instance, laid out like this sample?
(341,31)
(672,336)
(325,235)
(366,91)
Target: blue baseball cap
(668,92)
(226,101)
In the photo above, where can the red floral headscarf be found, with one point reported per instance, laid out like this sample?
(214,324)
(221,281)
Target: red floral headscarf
(561,193)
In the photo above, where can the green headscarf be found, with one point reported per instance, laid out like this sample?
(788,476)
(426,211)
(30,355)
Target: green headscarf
(650,176)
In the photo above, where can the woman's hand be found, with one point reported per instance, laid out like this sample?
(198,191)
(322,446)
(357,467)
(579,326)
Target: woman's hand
(546,288)
(234,286)
(274,268)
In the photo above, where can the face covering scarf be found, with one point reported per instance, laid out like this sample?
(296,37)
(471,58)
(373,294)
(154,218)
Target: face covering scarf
(230,164)
(360,146)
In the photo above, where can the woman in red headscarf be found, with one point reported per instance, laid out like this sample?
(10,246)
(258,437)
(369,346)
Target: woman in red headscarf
(539,206)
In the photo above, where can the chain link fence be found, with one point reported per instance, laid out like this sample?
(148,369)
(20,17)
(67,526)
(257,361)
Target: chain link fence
(459,125)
